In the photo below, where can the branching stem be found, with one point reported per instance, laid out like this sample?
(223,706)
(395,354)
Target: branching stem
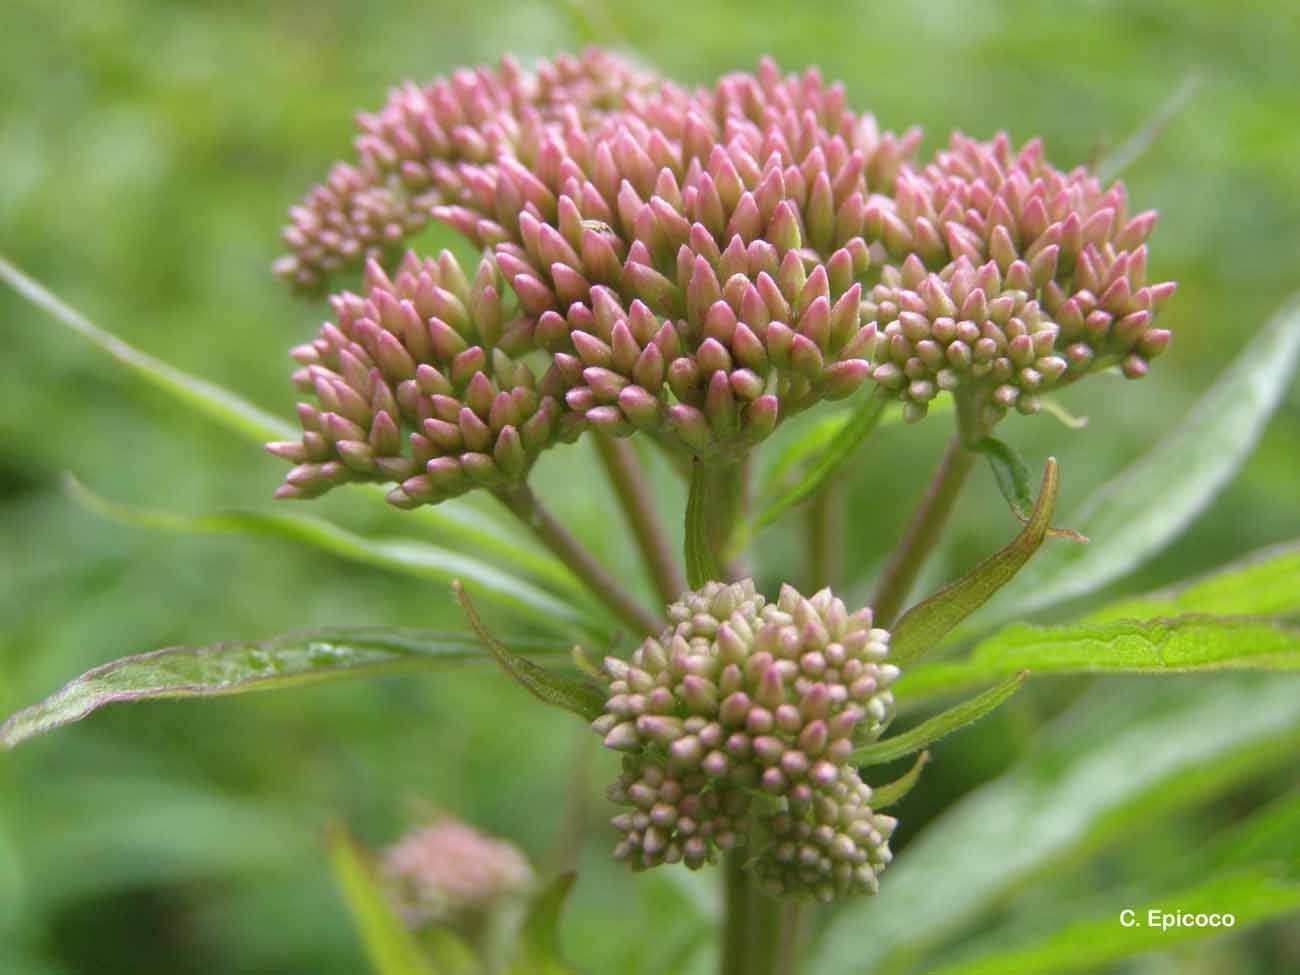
(628,479)
(922,532)
(524,504)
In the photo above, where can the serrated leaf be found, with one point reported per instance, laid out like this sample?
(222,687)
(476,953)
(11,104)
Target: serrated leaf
(926,623)
(891,793)
(940,726)
(455,518)
(240,666)
(1174,645)
(390,948)
(1264,583)
(1119,760)
(1250,896)
(1137,513)
(701,562)
(417,559)
(583,699)
(862,420)
(539,949)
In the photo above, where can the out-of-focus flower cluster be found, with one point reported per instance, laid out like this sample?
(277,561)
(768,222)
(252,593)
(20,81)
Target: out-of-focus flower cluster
(696,265)
(744,713)
(447,871)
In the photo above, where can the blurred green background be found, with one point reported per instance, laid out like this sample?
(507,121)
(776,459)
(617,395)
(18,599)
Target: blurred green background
(147,153)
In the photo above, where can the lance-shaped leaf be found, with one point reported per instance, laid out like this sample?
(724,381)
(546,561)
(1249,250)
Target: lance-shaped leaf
(1264,583)
(1117,762)
(892,793)
(538,952)
(701,562)
(1179,644)
(240,666)
(1139,512)
(941,725)
(926,623)
(1124,154)
(832,456)
(396,555)
(1250,896)
(454,519)
(583,699)
(390,948)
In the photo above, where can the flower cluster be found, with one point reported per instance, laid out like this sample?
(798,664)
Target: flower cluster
(446,870)
(1036,277)
(742,714)
(694,265)
(419,383)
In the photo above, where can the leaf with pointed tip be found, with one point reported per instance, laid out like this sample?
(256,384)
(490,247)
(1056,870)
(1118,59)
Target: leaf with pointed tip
(941,725)
(701,563)
(539,950)
(831,457)
(892,793)
(1010,472)
(396,555)
(1121,759)
(1137,513)
(240,666)
(930,620)
(1174,645)
(455,518)
(583,699)
(1250,896)
(389,946)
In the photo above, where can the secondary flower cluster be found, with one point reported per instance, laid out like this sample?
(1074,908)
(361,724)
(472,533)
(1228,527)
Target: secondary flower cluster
(448,871)
(695,265)
(745,713)
(1036,278)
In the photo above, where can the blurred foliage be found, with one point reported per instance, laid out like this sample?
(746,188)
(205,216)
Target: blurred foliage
(147,153)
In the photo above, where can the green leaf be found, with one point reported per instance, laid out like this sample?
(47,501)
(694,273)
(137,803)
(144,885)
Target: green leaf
(941,725)
(1121,759)
(456,519)
(390,947)
(1173,645)
(1250,896)
(1123,155)
(583,699)
(214,402)
(1135,515)
(833,454)
(701,563)
(1264,583)
(396,555)
(539,950)
(926,623)
(240,666)
(1010,472)
(891,793)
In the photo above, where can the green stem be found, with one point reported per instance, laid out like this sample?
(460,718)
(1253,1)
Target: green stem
(523,504)
(821,526)
(738,896)
(789,937)
(922,532)
(629,481)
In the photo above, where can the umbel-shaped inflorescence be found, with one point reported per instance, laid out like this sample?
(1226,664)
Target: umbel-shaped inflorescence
(697,266)
(737,725)
(1008,278)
